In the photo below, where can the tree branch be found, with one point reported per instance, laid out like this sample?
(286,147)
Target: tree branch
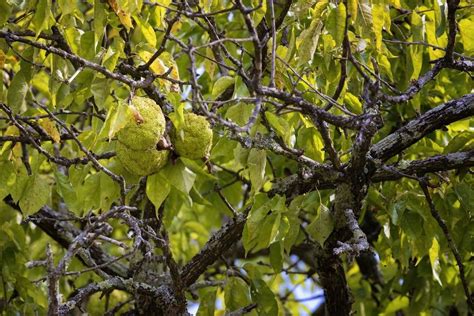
(11,37)
(63,232)
(416,129)
(217,244)
(296,184)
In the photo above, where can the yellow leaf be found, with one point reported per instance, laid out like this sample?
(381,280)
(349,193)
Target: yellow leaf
(125,19)
(396,3)
(12,131)
(2,58)
(147,31)
(378,22)
(434,260)
(176,27)
(352,9)
(466,28)
(123,16)
(158,67)
(50,129)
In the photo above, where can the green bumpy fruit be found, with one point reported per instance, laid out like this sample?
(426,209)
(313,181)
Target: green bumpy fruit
(194,139)
(141,162)
(136,146)
(145,127)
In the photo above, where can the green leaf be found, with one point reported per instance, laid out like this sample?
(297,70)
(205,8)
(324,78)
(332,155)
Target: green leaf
(412,224)
(109,191)
(100,20)
(179,176)
(177,117)
(336,23)
(261,294)
(6,172)
(100,89)
(309,39)
(160,12)
(20,182)
(41,16)
(415,51)
(36,194)
(236,294)
(256,162)
(65,190)
(5,10)
(462,141)
(223,149)
(221,85)
(263,223)
(385,65)
(322,226)
(281,126)
(240,113)
(398,303)
(268,230)
(17,93)
(146,30)
(353,103)
(207,302)
(112,55)
(465,194)
(432,37)
(319,9)
(117,117)
(293,231)
(259,14)
(157,189)
(87,48)
(310,140)
(276,256)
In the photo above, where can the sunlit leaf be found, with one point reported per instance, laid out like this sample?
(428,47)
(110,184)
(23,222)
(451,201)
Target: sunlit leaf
(146,30)
(434,260)
(465,27)
(399,303)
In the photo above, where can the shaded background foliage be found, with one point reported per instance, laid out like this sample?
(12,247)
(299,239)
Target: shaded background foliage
(341,157)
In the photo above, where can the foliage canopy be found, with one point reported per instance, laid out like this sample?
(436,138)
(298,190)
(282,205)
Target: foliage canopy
(339,177)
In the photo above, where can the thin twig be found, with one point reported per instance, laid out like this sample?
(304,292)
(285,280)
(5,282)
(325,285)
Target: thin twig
(452,245)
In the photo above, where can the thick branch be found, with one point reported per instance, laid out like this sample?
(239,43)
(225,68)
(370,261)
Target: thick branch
(418,128)
(217,244)
(162,293)
(295,184)
(464,159)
